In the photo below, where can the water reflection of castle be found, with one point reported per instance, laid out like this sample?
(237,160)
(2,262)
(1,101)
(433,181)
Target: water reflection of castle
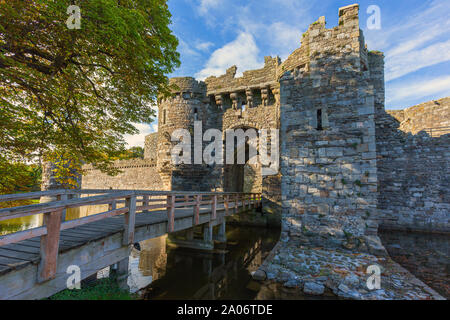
(199,275)
(153,257)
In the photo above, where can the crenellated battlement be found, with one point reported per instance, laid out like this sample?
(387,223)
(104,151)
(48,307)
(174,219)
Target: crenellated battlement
(186,84)
(260,87)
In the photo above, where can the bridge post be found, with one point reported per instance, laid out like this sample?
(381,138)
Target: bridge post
(214,207)
(49,246)
(63,197)
(221,235)
(190,234)
(130,220)
(247,197)
(170,213)
(226,204)
(113,205)
(208,232)
(145,202)
(122,273)
(207,266)
(198,199)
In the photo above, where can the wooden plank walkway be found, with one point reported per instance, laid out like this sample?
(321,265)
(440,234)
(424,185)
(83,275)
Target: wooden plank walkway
(98,244)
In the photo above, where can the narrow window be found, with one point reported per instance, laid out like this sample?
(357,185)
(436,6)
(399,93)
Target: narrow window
(195,114)
(243,106)
(319,119)
(164,117)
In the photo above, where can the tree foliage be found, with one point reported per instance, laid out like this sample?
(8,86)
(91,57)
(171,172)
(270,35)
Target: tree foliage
(131,153)
(18,177)
(76,92)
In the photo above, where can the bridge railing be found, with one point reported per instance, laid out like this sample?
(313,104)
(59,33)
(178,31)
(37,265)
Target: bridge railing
(131,202)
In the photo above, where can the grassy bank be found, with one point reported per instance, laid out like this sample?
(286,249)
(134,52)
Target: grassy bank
(102,289)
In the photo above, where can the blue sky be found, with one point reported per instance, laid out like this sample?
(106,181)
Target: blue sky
(215,34)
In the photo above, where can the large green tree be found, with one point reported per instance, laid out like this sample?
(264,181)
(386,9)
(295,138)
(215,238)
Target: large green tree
(74,93)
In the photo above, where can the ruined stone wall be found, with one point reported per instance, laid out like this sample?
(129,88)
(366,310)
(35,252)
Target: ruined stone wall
(151,146)
(413,169)
(136,174)
(329,175)
(251,79)
(425,116)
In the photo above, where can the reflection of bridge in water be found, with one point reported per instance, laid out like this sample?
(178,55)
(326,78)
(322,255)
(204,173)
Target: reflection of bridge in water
(221,276)
(196,274)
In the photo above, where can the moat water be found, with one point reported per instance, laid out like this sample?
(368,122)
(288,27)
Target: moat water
(427,256)
(166,272)
(159,271)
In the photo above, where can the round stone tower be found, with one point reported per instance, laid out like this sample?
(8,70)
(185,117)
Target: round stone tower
(187,105)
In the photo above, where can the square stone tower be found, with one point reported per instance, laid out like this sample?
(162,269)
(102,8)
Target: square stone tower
(328,151)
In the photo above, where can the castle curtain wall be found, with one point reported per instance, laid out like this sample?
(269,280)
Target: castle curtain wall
(413,167)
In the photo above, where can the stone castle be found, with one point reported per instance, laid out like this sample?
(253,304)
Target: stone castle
(346,165)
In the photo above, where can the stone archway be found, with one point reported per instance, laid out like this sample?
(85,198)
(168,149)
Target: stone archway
(244,177)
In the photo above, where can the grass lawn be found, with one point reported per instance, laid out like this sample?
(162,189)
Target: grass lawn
(102,289)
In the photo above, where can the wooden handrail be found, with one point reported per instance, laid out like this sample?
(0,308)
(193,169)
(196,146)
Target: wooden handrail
(54,213)
(57,192)
(32,209)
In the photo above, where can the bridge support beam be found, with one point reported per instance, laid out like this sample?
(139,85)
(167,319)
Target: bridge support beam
(190,234)
(123,273)
(207,232)
(221,235)
(204,243)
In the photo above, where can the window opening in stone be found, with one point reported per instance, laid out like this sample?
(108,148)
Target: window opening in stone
(195,114)
(164,117)
(319,119)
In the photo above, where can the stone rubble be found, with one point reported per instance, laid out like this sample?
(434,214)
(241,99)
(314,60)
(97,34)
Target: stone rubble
(342,273)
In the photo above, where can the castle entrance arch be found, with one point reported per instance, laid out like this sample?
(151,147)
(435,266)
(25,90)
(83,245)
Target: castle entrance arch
(246,176)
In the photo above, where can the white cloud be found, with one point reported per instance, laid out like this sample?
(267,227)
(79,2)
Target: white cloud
(399,65)
(185,49)
(414,90)
(204,46)
(242,52)
(276,25)
(278,34)
(206,5)
(283,38)
(417,41)
(138,140)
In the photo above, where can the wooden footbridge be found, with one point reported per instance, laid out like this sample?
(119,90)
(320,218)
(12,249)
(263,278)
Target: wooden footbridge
(36,263)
